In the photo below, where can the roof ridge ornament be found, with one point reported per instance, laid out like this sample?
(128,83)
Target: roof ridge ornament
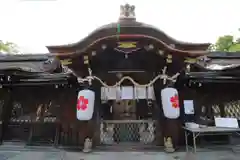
(127,12)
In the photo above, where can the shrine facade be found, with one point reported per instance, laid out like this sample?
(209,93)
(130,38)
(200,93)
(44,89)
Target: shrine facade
(128,66)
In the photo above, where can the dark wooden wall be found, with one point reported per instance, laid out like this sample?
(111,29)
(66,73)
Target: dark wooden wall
(218,99)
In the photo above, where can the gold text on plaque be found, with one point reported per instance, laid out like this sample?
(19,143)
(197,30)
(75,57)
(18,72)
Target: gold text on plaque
(126,45)
(190,60)
(66,61)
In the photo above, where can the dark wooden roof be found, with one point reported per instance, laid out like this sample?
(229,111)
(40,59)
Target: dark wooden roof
(32,70)
(45,69)
(225,55)
(47,62)
(129,27)
(38,63)
(226,76)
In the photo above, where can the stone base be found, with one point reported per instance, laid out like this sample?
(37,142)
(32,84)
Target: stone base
(168,145)
(169,150)
(87,145)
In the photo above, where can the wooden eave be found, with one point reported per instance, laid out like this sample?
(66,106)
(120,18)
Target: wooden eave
(74,52)
(132,28)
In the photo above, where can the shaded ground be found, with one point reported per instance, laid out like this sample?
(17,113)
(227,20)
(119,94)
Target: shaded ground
(45,153)
(36,155)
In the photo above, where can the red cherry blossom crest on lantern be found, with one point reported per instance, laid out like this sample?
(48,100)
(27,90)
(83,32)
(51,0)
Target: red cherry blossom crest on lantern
(82,103)
(174,100)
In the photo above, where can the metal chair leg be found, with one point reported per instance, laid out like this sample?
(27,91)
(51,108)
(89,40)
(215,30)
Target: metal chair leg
(56,138)
(29,142)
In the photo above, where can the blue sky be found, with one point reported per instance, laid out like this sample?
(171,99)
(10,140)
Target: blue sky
(33,24)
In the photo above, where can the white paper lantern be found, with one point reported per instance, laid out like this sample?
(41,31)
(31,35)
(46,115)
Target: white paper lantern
(170,103)
(85,105)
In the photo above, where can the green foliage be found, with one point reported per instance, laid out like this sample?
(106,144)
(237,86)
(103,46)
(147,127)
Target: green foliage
(211,47)
(8,47)
(226,43)
(235,47)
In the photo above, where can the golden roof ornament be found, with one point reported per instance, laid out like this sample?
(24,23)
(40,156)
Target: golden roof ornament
(127,12)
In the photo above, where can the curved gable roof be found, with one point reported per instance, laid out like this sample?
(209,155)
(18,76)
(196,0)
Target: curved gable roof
(129,25)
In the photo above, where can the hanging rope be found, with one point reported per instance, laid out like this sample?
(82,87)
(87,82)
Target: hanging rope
(162,76)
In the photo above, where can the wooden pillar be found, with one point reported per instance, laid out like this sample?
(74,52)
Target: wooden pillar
(159,115)
(169,126)
(90,130)
(171,134)
(159,125)
(5,111)
(96,115)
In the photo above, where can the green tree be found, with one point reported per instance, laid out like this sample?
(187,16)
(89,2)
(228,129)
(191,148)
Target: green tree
(235,47)
(212,47)
(8,47)
(226,43)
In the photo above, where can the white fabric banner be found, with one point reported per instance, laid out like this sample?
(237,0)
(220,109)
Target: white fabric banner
(127,93)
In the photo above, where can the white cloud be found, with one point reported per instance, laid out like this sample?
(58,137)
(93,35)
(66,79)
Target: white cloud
(33,24)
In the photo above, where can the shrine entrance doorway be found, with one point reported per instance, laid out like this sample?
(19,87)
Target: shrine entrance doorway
(130,122)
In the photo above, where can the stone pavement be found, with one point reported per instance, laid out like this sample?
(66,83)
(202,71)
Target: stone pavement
(20,152)
(64,155)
